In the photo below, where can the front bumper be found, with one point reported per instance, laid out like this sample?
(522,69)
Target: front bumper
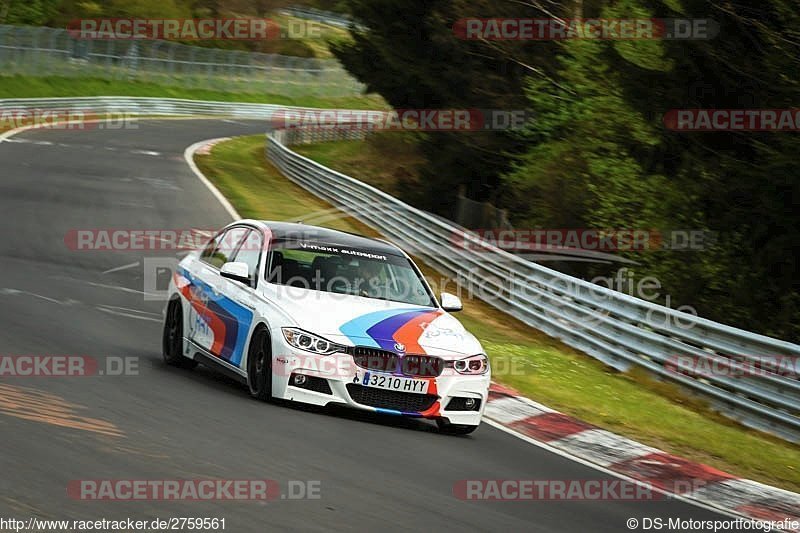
(343,385)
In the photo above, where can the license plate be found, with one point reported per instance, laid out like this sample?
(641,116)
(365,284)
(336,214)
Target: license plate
(383,381)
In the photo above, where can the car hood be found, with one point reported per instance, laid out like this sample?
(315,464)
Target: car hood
(358,321)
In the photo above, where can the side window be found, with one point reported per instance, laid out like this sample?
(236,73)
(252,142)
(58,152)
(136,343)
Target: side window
(208,251)
(223,247)
(250,253)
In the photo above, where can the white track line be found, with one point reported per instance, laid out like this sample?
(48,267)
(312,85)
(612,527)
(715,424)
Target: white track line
(188,155)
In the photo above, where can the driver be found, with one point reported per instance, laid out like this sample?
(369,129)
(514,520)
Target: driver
(369,282)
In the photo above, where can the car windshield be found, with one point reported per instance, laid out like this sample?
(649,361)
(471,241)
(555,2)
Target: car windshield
(345,270)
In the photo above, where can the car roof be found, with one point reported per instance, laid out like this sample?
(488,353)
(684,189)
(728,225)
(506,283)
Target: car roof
(289,231)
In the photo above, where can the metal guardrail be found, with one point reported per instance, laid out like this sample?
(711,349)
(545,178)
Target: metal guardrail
(140,106)
(147,106)
(40,51)
(618,329)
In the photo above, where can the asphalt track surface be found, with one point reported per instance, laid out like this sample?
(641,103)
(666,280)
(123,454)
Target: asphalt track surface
(165,423)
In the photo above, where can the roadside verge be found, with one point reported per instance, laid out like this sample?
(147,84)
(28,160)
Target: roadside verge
(622,456)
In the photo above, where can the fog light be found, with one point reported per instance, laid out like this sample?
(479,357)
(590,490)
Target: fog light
(462,403)
(299,380)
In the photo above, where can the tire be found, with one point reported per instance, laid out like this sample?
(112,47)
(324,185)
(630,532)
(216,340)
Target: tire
(172,338)
(447,428)
(259,365)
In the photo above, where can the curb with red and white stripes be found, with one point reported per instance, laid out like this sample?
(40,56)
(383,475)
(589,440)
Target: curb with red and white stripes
(625,457)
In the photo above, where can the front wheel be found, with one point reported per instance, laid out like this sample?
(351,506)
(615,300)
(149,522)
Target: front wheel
(454,429)
(172,338)
(259,366)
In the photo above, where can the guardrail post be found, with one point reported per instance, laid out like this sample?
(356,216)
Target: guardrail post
(4,46)
(109,62)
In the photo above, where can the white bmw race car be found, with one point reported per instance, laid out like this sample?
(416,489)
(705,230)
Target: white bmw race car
(324,317)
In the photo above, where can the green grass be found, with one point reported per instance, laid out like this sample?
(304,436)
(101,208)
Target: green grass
(54,86)
(631,404)
(396,175)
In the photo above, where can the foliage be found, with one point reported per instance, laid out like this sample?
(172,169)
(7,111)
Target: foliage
(597,154)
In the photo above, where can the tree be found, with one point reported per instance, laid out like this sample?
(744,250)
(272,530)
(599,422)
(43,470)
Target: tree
(31,12)
(410,55)
(599,156)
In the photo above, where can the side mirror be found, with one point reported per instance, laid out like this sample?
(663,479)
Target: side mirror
(451,302)
(236,271)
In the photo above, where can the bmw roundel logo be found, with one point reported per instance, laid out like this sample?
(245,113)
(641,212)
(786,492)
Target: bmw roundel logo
(400,347)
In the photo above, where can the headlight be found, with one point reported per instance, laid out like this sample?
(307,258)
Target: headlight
(473,366)
(310,342)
